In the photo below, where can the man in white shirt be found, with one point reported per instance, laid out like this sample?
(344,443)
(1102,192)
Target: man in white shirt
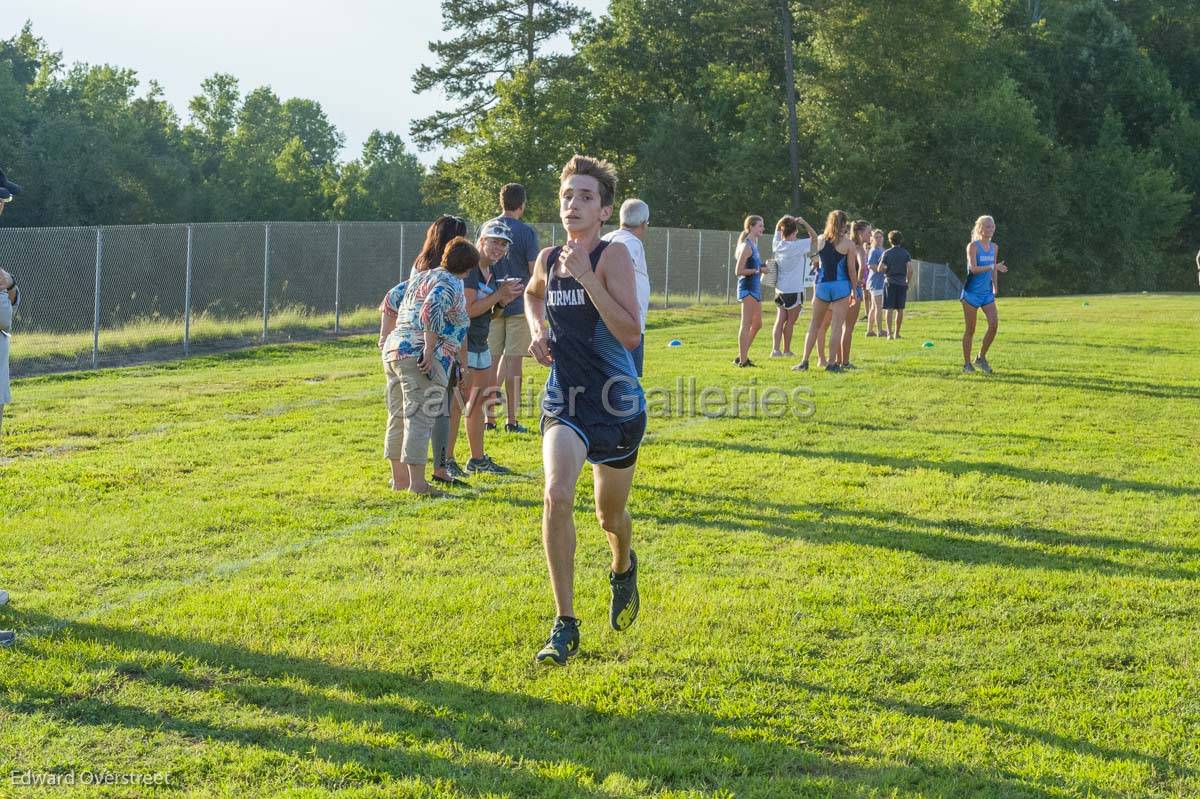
(635,218)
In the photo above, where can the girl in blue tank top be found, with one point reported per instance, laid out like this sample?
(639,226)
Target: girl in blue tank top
(979,292)
(838,257)
(749,289)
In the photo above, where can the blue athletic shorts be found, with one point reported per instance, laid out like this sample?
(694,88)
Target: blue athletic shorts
(833,291)
(744,293)
(978,299)
(613,444)
(639,355)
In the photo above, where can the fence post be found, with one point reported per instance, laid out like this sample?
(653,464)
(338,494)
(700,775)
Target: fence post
(96,300)
(401,252)
(337,283)
(266,273)
(187,296)
(728,265)
(553,235)
(699,261)
(667,280)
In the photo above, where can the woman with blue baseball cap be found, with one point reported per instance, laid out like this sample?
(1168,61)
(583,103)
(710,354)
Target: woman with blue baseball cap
(487,294)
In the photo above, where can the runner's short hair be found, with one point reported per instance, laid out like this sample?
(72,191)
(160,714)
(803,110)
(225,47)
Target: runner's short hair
(895,238)
(787,226)
(512,196)
(604,172)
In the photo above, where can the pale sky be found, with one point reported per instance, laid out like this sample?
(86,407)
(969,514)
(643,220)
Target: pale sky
(356,58)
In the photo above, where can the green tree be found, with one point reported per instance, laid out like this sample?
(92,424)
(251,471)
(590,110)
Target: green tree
(492,40)
(384,184)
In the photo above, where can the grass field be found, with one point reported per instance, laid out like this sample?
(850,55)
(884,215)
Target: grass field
(936,585)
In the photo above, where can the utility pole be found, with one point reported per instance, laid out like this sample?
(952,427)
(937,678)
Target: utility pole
(785,12)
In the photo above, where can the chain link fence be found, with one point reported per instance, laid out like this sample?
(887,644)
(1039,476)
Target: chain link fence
(107,296)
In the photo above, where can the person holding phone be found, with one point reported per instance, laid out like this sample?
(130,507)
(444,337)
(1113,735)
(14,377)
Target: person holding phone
(979,292)
(486,295)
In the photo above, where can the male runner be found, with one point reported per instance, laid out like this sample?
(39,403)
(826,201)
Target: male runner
(582,310)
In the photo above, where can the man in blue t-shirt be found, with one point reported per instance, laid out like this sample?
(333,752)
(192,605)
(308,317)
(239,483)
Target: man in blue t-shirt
(508,338)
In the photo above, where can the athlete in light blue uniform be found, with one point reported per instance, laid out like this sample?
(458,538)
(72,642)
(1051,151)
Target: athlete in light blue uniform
(838,257)
(749,289)
(979,292)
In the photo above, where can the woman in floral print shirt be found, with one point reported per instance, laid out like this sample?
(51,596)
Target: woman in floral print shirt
(431,326)
(444,229)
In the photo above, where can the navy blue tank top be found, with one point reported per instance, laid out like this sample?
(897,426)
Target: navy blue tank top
(833,265)
(592,378)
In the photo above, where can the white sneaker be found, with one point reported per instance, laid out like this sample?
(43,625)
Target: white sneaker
(776,354)
(3,597)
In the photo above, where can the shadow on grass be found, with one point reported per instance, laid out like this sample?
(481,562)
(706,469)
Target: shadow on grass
(503,742)
(956,468)
(952,540)
(1100,385)
(956,715)
(1055,379)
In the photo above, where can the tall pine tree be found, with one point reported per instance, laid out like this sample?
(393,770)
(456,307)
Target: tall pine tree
(492,40)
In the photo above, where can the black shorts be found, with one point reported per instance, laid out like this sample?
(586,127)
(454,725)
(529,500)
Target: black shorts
(612,444)
(788,301)
(894,297)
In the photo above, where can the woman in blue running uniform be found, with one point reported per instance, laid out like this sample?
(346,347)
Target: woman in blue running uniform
(837,274)
(979,292)
(748,269)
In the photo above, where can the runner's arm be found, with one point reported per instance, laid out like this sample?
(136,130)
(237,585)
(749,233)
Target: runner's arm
(740,268)
(973,267)
(614,294)
(535,310)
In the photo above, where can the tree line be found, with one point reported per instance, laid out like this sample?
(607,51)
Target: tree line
(93,150)
(1076,123)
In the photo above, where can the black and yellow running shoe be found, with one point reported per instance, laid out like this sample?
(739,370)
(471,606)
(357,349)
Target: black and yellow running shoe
(623,610)
(563,643)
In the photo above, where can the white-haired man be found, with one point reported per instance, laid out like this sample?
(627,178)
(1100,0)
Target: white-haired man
(635,218)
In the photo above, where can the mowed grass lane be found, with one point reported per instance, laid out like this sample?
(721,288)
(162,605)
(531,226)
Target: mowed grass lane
(935,585)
